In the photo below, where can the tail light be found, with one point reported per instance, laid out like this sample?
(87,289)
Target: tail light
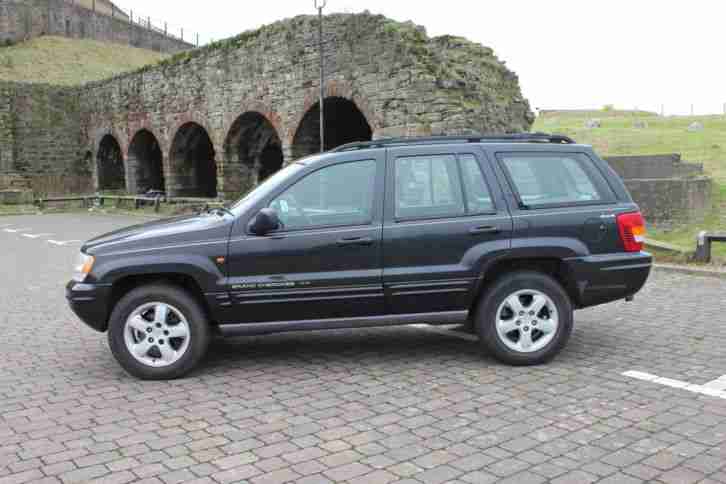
(632,231)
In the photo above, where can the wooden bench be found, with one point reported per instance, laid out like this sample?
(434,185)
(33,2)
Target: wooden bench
(703,249)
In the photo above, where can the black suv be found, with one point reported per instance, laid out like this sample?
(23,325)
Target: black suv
(508,234)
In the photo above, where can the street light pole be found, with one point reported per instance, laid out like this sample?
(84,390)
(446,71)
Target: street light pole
(320,5)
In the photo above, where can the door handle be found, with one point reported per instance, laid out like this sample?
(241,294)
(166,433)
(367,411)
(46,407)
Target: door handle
(487,229)
(355,241)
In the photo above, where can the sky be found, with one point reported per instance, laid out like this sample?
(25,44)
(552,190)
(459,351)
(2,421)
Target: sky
(656,55)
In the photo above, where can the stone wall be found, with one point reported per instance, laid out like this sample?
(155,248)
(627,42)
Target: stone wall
(667,189)
(24,19)
(654,166)
(672,200)
(384,78)
(41,137)
(215,121)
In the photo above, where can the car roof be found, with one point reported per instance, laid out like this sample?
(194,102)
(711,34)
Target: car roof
(518,138)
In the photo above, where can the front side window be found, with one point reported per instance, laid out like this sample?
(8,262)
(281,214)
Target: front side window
(338,195)
(554,179)
(428,187)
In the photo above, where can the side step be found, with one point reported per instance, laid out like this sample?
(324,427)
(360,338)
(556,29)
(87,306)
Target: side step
(257,329)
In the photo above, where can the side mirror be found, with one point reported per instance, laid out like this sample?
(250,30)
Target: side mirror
(265,222)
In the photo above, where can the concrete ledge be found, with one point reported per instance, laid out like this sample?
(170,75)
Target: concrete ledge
(691,270)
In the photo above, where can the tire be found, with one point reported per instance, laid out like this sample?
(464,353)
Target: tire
(169,317)
(533,339)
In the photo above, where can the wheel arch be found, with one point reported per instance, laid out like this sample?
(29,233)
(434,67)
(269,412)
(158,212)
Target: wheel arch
(187,283)
(551,266)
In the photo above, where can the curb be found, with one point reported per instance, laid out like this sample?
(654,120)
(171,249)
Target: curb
(690,271)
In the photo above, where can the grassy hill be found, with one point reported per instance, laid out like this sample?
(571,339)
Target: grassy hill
(619,136)
(62,61)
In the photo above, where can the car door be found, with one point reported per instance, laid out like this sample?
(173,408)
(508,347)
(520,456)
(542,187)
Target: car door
(326,260)
(445,216)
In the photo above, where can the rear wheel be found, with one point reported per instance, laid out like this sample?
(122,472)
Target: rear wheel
(525,318)
(158,332)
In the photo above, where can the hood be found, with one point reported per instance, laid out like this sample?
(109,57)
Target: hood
(159,233)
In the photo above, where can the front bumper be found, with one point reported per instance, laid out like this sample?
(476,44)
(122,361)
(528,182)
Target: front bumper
(90,303)
(601,279)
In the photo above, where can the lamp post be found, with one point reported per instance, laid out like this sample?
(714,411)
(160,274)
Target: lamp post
(320,5)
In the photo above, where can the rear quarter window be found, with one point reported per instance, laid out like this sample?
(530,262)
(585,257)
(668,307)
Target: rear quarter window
(555,179)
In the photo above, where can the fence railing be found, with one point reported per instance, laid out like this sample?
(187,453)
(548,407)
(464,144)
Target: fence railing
(128,201)
(159,26)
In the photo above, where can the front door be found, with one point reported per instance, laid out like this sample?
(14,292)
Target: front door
(445,217)
(326,260)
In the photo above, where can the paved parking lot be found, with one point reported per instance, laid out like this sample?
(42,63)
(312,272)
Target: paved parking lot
(372,406)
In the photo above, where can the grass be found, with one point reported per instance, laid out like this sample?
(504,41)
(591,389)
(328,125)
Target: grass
(619,136)
(70,62)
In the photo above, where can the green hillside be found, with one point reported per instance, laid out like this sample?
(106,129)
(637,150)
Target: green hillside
(69,62)
(619,136)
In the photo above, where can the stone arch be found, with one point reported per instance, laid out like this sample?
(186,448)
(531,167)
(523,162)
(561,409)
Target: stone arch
(145,163)
(110,170)
(344,123)
(253,148)
(192,164)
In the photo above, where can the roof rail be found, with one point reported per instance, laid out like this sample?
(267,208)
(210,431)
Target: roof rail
(490,138)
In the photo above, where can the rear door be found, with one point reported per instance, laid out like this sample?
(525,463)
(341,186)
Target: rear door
(444,217)
(559,194)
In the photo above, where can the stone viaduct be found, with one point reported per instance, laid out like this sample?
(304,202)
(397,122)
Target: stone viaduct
(215,121)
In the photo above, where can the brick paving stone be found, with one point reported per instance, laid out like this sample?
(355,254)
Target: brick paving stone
(397,403)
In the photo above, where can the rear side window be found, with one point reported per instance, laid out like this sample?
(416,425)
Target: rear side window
(549,179)
(428,187)
(478,197)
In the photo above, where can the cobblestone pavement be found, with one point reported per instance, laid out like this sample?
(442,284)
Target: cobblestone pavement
(373,406)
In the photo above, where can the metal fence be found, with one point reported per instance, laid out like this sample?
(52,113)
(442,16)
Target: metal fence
(159,26)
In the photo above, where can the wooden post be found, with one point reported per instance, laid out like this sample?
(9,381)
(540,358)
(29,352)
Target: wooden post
(182,33)
(197,39)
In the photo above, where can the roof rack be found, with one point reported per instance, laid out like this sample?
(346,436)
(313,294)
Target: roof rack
(492,138)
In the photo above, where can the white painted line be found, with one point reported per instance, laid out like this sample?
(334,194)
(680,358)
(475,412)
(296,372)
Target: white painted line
(35,236)
(15,231)
(6,225)
(64,242)
(715,388)
(447,332)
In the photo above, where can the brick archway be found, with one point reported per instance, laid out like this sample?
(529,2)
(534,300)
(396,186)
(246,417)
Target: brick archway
(333,89)
(192,164)
(145,163)
(252,152)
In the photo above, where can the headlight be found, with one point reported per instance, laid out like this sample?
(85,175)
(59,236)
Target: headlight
(83,267)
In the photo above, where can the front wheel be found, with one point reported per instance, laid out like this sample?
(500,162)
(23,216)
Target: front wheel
(525,318)
(158,332)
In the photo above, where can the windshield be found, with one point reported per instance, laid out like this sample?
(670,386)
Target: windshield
(263,189)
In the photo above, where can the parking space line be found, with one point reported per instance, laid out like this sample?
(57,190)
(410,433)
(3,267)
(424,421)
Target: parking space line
(715,388)
(15,231)
(36,236)
(64,242)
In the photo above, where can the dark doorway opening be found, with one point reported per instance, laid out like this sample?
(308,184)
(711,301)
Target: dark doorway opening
(145,163)
(110,165)
(344,123)
(192,163)
(253,143)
